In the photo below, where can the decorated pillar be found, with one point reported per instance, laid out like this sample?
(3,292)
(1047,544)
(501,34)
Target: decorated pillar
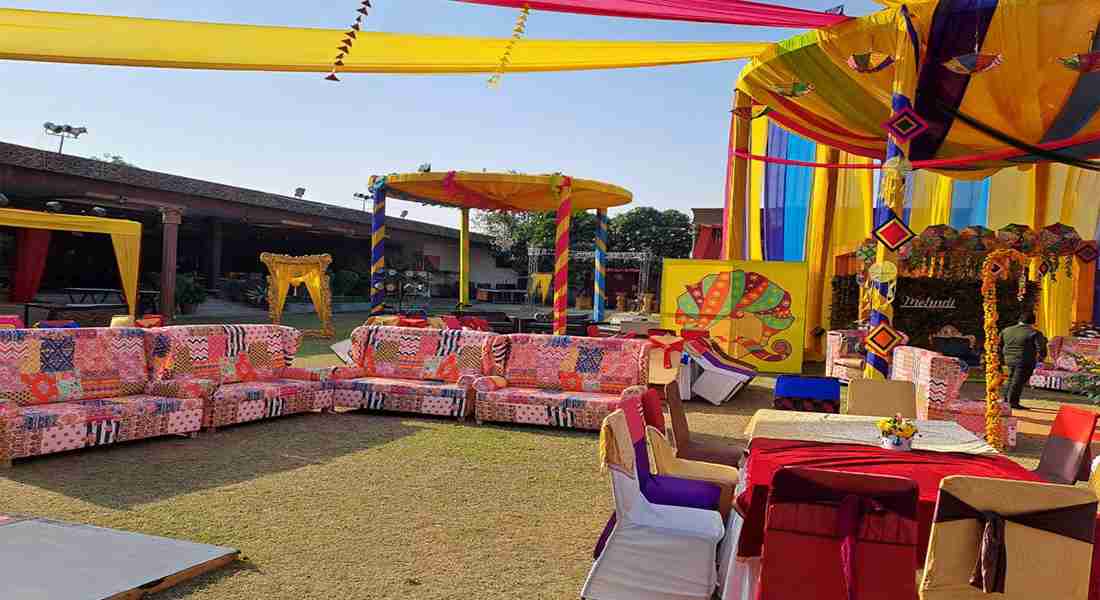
(464,259)
(378,246)
(599,297)
(171,219)
(890,231)
(562,188)
(737,181)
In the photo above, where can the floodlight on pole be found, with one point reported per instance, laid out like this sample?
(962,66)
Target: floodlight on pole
(364,198)
(63,131)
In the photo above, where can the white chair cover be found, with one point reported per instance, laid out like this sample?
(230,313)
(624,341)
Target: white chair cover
(655,552)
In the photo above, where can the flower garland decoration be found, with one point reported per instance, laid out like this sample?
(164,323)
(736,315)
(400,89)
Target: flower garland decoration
(344,49)
(517,33)
(998,265)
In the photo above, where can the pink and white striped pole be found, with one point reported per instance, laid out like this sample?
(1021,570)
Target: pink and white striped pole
(562,188)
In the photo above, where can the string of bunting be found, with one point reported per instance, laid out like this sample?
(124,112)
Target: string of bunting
(506,58)
(344,49)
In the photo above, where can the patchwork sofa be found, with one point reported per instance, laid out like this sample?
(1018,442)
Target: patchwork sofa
(1061,367)
(562,381)
(245,367)
(416,370)
(65,389)
(939,380)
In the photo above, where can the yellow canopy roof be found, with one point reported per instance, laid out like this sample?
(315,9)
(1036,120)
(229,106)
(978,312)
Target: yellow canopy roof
(109,40)
(505,191)
(125,236)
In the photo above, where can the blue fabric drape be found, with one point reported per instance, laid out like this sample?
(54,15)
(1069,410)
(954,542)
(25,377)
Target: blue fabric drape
(969,203)
(798,191)
(775,194)
(787,193)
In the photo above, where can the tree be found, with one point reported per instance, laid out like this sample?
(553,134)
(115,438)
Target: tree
(114,159)
(667,234)
(513,233)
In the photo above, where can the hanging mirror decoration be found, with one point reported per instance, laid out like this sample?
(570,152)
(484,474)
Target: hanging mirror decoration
(1084,63)
(506,58)
(752,112)
(344,49)
(870,62)
(795,89)
(885,275)
(1057,244)
(975,62)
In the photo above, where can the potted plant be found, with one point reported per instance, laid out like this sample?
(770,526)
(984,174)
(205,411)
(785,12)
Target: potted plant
(897,433)
(189,293)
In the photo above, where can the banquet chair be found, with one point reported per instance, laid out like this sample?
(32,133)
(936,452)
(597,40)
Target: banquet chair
(57,324)
(1067,453)
(830,535)
(729,453)
(875,398)
(1018,539)
(654,552)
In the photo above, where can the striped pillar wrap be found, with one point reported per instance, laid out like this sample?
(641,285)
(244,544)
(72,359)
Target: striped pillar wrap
(599,296)
(892,187)
(563,192)
(378,248)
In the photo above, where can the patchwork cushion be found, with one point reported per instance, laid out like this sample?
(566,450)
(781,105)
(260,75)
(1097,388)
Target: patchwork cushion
(42,366)
(402,395)
(225,353)
(402,387)
(554,398)
(253,400)
(577,410)
(577,364)
(425,354)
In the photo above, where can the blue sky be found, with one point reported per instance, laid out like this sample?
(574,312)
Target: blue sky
(661,133)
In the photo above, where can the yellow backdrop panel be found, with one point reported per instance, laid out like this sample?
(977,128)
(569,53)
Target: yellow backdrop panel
(756,309)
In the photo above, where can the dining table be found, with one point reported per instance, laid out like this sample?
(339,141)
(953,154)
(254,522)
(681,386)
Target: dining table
(850,443)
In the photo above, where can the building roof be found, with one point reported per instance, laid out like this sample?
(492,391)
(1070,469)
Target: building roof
(67,164)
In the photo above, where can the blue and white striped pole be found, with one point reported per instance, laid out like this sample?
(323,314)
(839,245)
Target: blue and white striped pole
(599,297)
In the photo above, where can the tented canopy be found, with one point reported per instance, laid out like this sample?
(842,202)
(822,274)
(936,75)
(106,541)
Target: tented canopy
(503,191)
(125,236)
(108,40)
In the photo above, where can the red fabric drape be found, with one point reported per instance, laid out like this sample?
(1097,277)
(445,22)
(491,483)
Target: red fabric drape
(708,243)
(730,12)
(31,247)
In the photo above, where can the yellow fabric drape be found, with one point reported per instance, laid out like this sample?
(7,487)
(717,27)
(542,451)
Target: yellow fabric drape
(759,143)
(819,249)
(540,284)
(108,40)
(931,200)
(1008,198)
(125,236)
(286,271)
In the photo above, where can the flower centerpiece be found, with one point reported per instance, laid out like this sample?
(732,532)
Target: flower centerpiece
(897,433)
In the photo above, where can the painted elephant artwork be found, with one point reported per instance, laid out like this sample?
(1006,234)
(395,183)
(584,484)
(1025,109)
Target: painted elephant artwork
(760,308)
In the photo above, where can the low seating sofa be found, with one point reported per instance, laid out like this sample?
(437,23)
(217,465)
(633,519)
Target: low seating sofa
(939,380)
(1060,368)
(563,381)
(65,389)
(416,370)
(247,369)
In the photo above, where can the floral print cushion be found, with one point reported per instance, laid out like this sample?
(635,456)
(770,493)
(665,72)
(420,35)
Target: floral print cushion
(43,366)
(580,364)
(223,353)
(425,354)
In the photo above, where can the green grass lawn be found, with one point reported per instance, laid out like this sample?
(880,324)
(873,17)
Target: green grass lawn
(359,505)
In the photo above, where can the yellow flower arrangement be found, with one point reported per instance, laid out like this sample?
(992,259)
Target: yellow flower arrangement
(899,426)
(997,265)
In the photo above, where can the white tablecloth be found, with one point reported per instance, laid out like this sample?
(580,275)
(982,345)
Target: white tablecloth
(934,436)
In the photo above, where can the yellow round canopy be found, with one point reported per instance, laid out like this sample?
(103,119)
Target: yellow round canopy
(502,191)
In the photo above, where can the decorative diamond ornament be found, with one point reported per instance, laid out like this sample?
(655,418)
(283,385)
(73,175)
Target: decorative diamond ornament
(1087,252)
(894,234)
(905,125)
(1044,268)
(882,339)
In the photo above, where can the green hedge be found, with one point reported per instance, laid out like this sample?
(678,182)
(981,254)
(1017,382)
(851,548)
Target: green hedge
(920,323)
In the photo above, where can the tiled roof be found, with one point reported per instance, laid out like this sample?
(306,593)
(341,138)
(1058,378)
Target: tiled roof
(67,164)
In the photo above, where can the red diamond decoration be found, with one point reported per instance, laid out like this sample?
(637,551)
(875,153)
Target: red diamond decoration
(1087,252)
(882,339)
(995,269)
(905,125)
(1044,268)
(894,234)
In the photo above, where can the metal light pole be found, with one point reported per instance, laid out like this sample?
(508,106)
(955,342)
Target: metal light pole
(63,131)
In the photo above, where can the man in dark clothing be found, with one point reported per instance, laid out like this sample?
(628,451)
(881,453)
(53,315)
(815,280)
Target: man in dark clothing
(1022,347)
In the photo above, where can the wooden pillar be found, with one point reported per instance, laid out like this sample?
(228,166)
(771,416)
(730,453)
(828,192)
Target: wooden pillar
(464,259)
(737,184)
(171,219)
(214,269)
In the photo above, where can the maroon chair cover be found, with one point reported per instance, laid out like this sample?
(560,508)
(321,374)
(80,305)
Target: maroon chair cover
(839,536)
(1067,455)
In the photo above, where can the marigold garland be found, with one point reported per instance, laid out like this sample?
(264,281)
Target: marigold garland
(997,265)
(506,58)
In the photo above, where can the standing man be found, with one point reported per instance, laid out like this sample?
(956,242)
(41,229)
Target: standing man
(1022,347)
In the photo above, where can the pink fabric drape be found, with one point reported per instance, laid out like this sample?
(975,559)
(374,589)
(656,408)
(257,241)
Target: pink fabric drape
(730,12)
(708,243)
(31,247)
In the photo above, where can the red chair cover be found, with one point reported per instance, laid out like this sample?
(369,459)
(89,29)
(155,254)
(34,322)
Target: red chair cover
(451,321)
(839,536)
(475,323)
(1067,456)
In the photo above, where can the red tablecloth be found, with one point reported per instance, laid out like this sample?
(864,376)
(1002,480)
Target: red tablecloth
(927,469)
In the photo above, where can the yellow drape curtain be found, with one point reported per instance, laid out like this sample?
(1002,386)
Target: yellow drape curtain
(125,236)
(818,247)
(931,200)
(1007,198)
(287,275)
(540,284)
(758,142)
(108,40)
